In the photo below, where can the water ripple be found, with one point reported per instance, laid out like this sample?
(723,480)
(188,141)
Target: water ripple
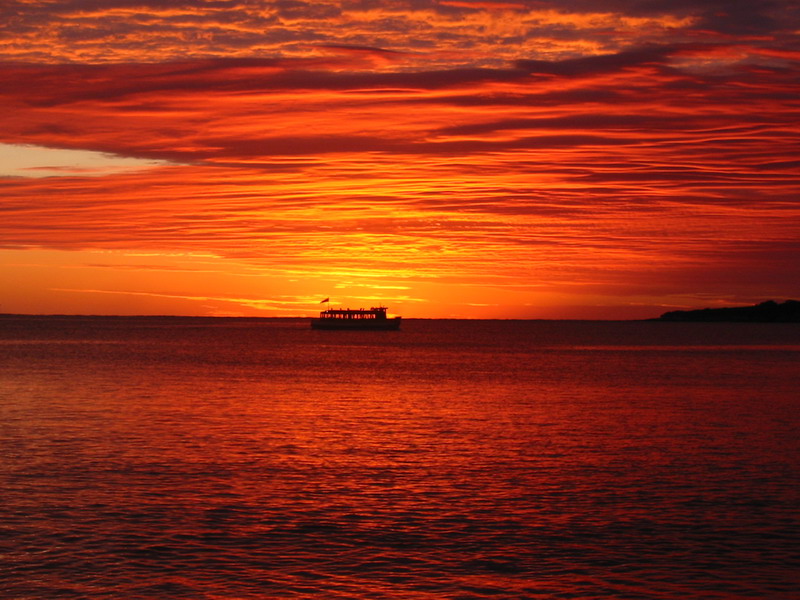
(174,464)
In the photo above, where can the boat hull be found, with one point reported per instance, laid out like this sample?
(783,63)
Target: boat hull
(357,324)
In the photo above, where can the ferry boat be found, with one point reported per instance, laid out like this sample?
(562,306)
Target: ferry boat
(367,319)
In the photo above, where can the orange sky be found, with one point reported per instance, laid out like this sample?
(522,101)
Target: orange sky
(534,159)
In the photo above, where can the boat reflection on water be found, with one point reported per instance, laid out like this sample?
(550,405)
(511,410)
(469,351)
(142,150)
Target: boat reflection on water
(362,318)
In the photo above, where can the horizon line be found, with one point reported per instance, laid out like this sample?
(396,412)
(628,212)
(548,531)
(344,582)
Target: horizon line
(296,317)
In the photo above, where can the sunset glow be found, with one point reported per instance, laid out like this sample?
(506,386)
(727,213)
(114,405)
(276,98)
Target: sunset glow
(520,159)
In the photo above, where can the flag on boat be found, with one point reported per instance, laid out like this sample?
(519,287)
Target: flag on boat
(326,300)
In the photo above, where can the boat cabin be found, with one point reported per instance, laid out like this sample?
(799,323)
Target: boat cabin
(378,312)
(361,318)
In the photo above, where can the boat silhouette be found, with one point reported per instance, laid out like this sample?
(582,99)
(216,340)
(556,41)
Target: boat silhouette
(362,318)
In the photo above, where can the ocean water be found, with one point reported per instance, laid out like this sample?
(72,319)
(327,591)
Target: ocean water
(228,459)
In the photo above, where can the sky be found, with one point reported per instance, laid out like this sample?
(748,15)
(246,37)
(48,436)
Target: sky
(583,159)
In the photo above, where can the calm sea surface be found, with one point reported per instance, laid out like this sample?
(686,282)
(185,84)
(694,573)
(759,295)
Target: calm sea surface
(240,459)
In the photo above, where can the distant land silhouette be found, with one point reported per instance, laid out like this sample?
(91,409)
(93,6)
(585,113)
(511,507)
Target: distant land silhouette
(766,312)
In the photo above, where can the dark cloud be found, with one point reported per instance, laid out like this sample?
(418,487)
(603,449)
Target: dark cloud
(106,82)
(605,63)
(294,9)
(360,49)
(728,16)
(117,81)
(731,16)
